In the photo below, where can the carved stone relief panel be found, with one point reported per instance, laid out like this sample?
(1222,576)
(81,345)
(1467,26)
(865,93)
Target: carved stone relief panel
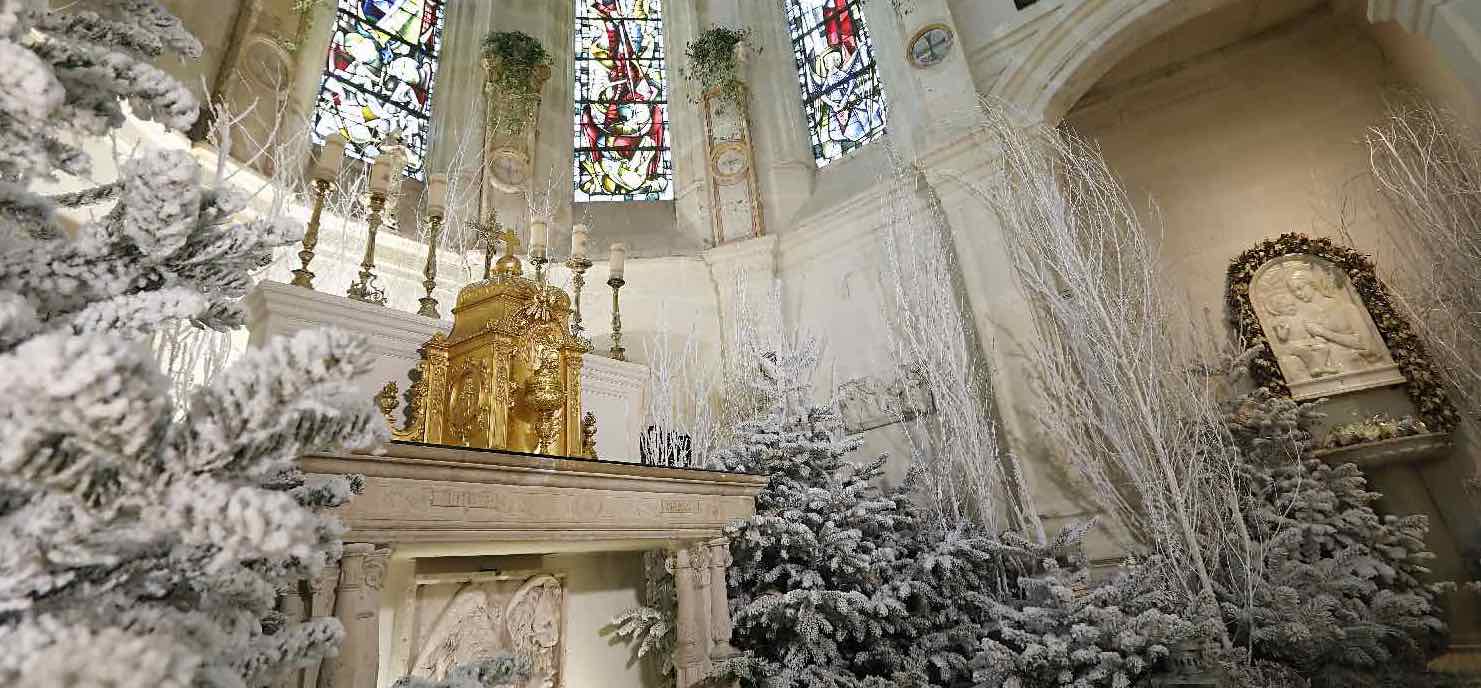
(1323,337)
(867,402)
(522,615)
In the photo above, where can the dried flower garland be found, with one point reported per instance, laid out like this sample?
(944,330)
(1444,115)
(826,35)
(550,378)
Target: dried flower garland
(1408,352)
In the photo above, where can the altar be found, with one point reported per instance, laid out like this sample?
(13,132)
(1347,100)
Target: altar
(456,553)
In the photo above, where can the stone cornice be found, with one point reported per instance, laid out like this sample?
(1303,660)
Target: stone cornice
(424,494)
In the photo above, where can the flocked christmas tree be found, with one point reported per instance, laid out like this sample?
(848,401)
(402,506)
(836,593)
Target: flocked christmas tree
(1330,588)
(140,546)
(809,583)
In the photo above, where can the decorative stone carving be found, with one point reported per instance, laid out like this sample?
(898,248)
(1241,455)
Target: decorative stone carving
(867,403)
(362,570)
(487,616)
(534,624)
(735,205)
(1323,338)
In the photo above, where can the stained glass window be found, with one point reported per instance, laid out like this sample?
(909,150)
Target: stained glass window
(379,75)
(841,93)
(621,121)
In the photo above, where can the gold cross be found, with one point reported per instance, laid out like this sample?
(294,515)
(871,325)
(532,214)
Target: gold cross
(511,241)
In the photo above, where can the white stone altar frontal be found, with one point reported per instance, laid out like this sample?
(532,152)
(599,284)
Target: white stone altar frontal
(1323,336)
(416,595)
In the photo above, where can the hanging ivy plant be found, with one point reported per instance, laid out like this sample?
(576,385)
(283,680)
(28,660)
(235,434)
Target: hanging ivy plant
(712,63)
(520,57)
(1423,386)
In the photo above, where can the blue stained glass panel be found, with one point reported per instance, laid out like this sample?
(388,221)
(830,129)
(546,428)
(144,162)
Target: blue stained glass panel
(841,92)
(621,102)
(379,75)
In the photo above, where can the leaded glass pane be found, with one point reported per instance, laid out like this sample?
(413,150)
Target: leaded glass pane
(621,103)
(381,68)
(841,92)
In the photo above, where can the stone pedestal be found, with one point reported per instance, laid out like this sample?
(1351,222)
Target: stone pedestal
(613,390)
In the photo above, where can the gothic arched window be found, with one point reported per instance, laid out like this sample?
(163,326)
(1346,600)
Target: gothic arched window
(621,102)
(379,75)
(841,93)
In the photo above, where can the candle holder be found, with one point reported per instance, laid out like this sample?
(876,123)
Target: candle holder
(578,267)
(302,277)
(539,263)
(617,353)
(429,272)
(364,289)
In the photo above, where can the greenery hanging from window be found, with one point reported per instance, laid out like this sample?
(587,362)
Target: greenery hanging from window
(520,57)
(712,62)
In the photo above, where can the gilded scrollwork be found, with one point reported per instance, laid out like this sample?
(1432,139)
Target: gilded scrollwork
(510,377)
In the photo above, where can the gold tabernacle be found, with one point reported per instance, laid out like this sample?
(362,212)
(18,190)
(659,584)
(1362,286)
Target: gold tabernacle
(508,376)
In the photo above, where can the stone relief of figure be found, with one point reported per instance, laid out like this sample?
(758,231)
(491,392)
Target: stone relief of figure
(1320,332)
(534,624)
(466,630)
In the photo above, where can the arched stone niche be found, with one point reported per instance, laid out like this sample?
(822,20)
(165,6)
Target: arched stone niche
(1323,337)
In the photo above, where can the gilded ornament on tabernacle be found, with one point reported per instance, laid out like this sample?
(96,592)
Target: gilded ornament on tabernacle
(507,376)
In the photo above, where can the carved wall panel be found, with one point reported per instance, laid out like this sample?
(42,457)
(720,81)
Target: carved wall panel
(485,616)
(867,403)
(1323,337)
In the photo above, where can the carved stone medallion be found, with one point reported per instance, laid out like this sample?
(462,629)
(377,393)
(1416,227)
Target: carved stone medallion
(730,162)
(1322,335)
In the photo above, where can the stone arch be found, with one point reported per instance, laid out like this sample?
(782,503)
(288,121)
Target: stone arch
(1084,40)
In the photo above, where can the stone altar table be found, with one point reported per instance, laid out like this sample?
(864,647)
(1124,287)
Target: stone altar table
(422,502)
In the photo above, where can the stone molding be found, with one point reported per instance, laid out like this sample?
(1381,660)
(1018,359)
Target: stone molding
(428,494)
(1416,16)
(275,309)
(1371,456)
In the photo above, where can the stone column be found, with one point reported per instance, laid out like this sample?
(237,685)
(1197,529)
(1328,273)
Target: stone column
(357,603)
(294,612)
(691,654)
(719,561)
(321,604)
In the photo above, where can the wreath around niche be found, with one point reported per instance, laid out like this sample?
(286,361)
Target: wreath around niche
(1408,352)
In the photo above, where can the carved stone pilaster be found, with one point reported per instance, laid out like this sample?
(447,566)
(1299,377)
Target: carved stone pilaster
(320,604)
(735,205)
(690,566)
(292,603)
(719,561)
(362,570)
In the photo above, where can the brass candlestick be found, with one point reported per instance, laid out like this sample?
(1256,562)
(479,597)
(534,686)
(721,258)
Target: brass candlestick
(364,288)
(302,277)
(578,268)
(429,304)
(539,262)
(617,353)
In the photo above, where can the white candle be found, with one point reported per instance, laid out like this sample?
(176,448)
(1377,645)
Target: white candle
(437,195)
(331,157)
(580,237)
(617,262)
(539,235)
